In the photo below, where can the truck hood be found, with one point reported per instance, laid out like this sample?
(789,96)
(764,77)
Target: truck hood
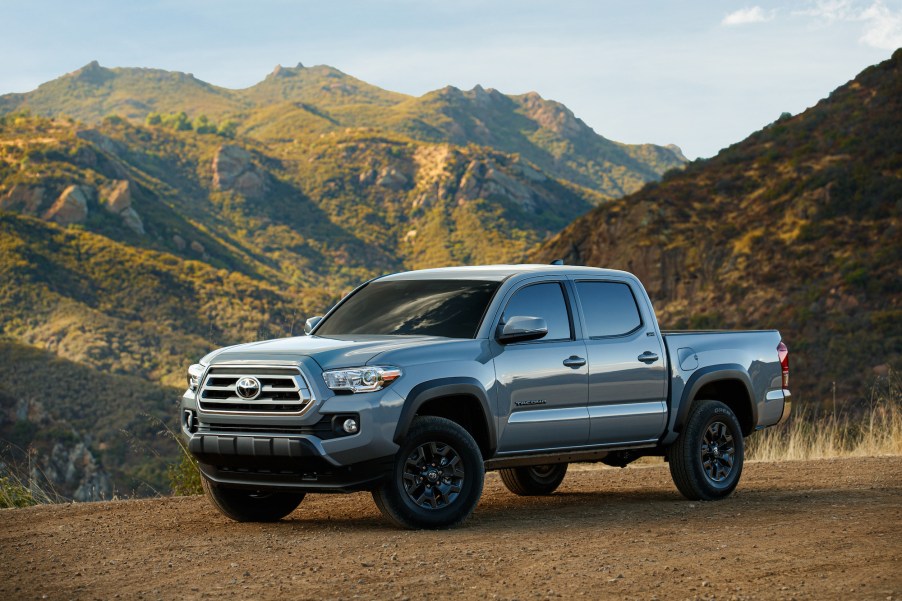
(330,353)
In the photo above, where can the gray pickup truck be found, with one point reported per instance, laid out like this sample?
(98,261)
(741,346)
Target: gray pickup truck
(416,383)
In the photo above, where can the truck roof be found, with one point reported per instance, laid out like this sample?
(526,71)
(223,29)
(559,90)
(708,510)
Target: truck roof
(498,272)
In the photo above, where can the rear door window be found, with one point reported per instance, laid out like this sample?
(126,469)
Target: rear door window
(609,307)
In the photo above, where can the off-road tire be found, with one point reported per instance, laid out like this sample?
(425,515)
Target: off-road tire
(533,480)
(244,505)
(689,469)
(457,487)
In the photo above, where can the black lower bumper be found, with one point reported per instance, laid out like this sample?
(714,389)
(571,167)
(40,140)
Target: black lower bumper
(281,463)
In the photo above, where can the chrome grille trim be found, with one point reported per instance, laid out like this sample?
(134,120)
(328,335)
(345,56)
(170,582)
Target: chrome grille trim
(284,391)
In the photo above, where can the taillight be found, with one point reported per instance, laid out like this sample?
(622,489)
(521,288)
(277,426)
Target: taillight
(783,354)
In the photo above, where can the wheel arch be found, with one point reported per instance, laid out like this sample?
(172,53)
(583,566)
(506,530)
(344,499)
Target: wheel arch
(462,400)
(729,384)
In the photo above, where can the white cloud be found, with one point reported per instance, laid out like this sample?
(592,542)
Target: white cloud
(744,16)
(830,11)
(883,27)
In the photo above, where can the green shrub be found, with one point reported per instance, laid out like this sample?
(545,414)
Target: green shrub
(184,476)
(13,494)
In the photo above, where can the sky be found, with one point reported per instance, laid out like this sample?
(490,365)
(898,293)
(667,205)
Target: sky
(702,74)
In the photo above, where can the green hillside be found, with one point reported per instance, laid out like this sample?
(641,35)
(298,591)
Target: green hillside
(96,335)
(131,250)
(293,102)
(797,228)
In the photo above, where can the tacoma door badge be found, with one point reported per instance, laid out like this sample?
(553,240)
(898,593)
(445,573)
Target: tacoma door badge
(527,403)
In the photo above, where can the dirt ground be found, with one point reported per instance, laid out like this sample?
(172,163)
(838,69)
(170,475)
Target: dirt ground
(797,530)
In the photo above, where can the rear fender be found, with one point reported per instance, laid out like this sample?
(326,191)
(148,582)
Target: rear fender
(701,377)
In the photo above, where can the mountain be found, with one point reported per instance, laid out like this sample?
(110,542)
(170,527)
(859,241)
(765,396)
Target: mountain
(293,102)
(129,247)
(127,252)
(796,227)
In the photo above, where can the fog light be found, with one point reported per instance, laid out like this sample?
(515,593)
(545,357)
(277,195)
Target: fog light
(350,426)
(190,422)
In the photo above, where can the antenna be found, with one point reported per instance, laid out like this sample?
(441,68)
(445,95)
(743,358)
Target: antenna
(557,262)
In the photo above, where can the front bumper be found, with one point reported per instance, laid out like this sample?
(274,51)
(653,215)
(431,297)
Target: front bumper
(297,452)
(278,463)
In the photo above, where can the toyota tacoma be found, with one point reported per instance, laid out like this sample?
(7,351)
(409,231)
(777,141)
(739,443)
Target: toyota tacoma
(415,384)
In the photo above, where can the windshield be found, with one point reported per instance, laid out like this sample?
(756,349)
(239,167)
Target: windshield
(450,308)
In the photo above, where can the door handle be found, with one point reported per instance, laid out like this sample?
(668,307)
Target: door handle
(574,362)
(647,357)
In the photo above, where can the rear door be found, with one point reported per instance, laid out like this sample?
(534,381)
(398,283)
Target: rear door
(542,384)
(627,375)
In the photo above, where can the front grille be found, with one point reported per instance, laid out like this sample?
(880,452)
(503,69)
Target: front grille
(283,390)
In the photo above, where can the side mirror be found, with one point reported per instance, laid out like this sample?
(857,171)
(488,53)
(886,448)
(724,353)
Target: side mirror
(311,323)
(520,329)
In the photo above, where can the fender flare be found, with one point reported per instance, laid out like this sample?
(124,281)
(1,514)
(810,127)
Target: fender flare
(707,375)
(443,387)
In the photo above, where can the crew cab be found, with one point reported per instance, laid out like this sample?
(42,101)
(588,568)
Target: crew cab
(417,383)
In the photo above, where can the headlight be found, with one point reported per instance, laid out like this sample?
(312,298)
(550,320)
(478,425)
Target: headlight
(361,379)
(194,375)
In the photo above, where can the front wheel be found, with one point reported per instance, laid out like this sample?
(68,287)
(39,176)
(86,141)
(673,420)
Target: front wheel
(706,460)
(251,506)
(534,480)
(437,477)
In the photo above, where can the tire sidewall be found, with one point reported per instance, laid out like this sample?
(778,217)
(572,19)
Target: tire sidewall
(242,506)
(707,414)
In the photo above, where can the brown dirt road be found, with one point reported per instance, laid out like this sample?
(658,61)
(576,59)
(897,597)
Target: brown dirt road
(806,530)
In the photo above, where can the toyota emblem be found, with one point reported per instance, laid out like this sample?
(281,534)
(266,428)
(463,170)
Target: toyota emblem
(248,388)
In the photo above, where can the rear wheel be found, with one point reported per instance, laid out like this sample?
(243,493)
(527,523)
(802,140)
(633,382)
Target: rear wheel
(437,477)
(706,460)
(251,506)
(534,480)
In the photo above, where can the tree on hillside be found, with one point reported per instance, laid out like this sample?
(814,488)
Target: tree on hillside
(228,129)
(203,125)
(177,121)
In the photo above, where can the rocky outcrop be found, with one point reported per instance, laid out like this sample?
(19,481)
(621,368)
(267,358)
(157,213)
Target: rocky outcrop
(233,170)
(118,196)
(117,199)
(553,116)
(481,180)
(74,469)
(132,221)
(71,206)
(66,467)
(393,179)
(23,199)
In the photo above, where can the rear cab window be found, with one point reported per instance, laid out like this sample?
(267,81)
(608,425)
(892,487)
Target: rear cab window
(609,308)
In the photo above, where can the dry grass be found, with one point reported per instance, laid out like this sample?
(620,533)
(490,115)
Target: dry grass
(876,430)
(22,483)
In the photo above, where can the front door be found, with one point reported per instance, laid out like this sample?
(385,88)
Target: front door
(542,384)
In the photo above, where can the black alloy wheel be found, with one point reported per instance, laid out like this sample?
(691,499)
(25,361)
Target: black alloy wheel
(718,451)
(437,477)
(433,475)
